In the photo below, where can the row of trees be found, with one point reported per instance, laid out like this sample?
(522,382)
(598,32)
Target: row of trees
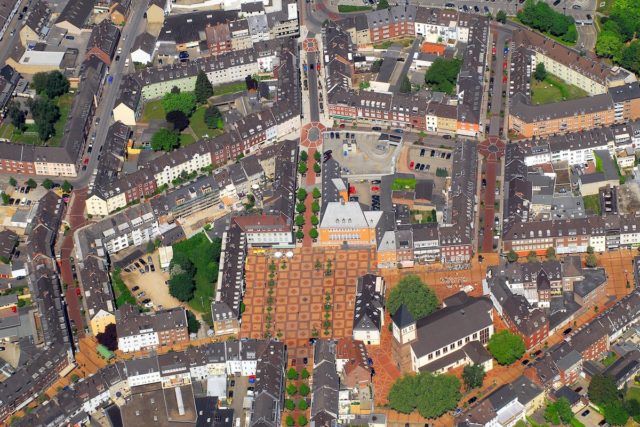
(550,254)
(618,38)
(540,16)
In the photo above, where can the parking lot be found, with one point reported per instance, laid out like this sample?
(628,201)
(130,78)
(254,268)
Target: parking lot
(362,154)
(576,8)
(148,287)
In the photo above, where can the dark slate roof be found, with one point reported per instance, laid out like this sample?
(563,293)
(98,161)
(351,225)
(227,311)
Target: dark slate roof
(402,317)
(368,310)
(76,12)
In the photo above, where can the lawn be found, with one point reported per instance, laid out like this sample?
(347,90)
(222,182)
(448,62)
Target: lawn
(592,203)
(608,361)
(122,293)
(552,90)
(633,393)
(347,8)
(153,111)
(604,6)
(205,256)
(30,135)
(228,88)
(403,184)
(186,139)
(197,124)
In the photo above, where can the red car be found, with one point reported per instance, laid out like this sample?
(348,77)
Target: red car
(411,165)
(504,79)
(504,65)
(375,188)
(493,50)
(78,292)
(85,161)
(318,66)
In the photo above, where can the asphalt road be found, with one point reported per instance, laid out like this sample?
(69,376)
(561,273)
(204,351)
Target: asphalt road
(407,64)
(496,95)
(312,77)
(587,36)
(110,92)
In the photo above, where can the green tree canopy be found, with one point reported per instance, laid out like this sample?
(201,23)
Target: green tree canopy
(67,187)
(302,421)
(609,45)
(178,119)
(551,253)
(501,16)
(48,184)
(541,72)
(182,101)
(204,88)
(292,374)
(31,183)
(419,299)
(45,113)
(302,168)
(313,233)
(316,193)
(383,4)
(506,347)
(559,412)
(602,390)
(165,140)
(17,116)
(304,389)
(405,85)
(591,260)
(431,395)
(540,16)
(301,195)
(13,182)
(290,404)
(512,256)
(443,74)
(213,117)
(473,375)
(615,413)
(532,256)
(50,84)
(182,286)
(193,324)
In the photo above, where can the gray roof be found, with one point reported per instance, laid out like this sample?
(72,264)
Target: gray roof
(521,108)
(187,27)
(368,309)
(450,324)
(76,12)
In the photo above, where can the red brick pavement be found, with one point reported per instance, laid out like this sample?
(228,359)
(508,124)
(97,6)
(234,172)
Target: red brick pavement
(75,218)
(489,209)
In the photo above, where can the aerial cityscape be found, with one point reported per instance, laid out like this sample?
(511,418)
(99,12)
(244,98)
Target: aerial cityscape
(323,213)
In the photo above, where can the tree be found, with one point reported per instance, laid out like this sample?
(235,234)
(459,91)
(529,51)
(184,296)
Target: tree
(290,404)
(292,374)
(302,405)
(602,390)
(431,395)
(632,406)
(204,88)
(13,182)
(532,256)
(300,208)
(506,347)
(615,413)
(45,113)
(109,337)
(5,199)
(292,389)
(304,156)
(501,16)
(67,187)
(550,253)
(48,184)
(419,299)
(442,75)
(405,85)
(541,72)
(316,193)
(193,324)
(183,101)
(181,286)
(591,261)
(609,45)
(178,119)
(302,168)
(213,117)
(559,412)
(301,195)
(630,58)
(314,220)
(164,140)
(51,84)
(175,89)
(383,4)
(512,256)
(290,421)
(304,389)
(299,234)
(313,233)
(590,249)
(18,117)
(315,207)
(302,421)
(316,168)
(31,183)
(304,374)
(473,375)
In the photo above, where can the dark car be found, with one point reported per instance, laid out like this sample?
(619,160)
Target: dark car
(376,128)
(578,389)
(472,400)
(117,57)
(305,360)
(567,331)
(135,288)
(446,136)
(525,362)
(537,353)
(146,301)
(153,268)
(585,413)
(141,261)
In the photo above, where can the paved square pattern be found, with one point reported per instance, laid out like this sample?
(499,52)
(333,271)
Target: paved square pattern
(299,295)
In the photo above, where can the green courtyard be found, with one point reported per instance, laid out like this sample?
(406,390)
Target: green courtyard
(553,89)
(30,135)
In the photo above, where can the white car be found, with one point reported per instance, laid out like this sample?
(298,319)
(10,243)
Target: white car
(126,63)
(149,305)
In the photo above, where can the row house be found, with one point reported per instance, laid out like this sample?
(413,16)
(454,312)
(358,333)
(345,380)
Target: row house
(394,22)
(139,331)
(171,166)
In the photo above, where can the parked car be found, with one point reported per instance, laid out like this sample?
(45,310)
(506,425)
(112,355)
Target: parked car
(146,301)
(135,288)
